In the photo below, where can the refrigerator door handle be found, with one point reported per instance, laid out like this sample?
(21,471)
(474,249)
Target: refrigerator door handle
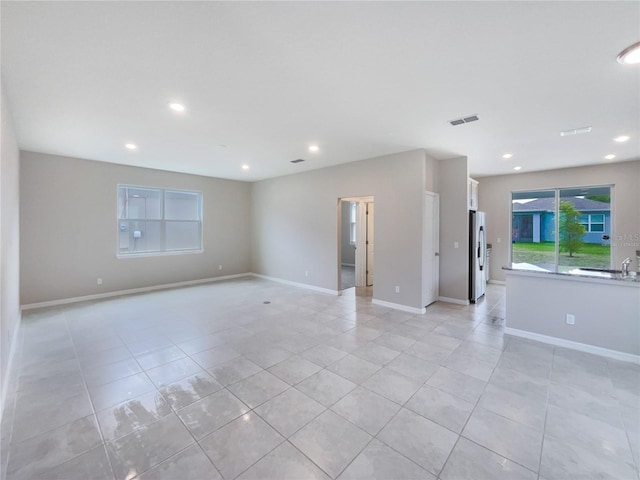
(480,249)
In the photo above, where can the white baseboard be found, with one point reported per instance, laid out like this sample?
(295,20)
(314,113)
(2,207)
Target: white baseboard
(8,373)
(296,284)
(497,282)
(118,293)
(582,347)
(457,301)
(399,306)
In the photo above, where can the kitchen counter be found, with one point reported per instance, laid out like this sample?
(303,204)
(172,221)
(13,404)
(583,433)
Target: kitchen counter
(599,314)
(580,275)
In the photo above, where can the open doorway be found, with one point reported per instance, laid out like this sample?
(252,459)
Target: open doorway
(356,242)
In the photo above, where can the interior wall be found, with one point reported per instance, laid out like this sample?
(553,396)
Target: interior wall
(9,243)
(69,229)
(495,199)
(348,251)
(294,229)
(589,302)
(454,229)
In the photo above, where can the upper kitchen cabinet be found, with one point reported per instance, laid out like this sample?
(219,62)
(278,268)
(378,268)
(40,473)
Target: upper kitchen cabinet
(472,195)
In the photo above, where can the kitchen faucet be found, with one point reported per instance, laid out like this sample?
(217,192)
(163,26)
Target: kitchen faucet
(625,267)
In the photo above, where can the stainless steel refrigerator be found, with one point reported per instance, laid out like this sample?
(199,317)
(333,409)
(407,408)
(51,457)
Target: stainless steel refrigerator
(477,256)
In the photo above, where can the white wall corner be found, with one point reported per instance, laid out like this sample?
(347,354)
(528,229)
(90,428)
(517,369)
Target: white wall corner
(398,306)
(456,301)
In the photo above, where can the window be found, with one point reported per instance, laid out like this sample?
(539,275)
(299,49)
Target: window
(592,223)
(352,222)
(155,220)
(561,229)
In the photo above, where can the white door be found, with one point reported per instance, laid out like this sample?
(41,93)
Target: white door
(430,248)
(361,244)
(369,215)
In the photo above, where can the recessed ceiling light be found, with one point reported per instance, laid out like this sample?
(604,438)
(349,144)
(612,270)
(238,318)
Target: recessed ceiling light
(176,107)
(507,155)
(314,148)
(621,138)
(630,55)
(517,168)
(131,146)
(611,156)
(245,167)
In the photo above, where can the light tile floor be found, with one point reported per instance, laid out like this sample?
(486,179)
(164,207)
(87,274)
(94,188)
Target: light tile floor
(210,382)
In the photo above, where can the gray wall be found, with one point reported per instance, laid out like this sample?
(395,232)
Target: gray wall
(68,229)
(348,250)
(9,243)
(606,313)
(295,224)
(495,199)
(454,227)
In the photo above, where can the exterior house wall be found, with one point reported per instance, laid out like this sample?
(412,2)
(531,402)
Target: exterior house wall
(545,231)
(548,227)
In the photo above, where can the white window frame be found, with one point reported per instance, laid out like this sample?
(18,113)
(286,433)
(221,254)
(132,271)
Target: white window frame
(353,208)
(557,191)
(589,222)
(162,221)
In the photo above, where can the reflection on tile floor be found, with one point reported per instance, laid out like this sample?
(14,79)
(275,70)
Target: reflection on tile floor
(209,382)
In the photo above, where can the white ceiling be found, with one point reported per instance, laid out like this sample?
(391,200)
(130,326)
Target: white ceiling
(358,79)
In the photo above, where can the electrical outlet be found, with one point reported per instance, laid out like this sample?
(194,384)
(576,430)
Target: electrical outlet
(397,289)
(456,244)
(99,281)
(306,273)
(571,319)
(499,240)
(219,267)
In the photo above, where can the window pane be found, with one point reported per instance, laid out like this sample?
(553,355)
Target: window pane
(139,236)
(139,203)
(182,235)
(182,205)
(533,230)
(155,220)
(581,243)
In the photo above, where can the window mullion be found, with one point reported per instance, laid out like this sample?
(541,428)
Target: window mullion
(163,230)
(557,236)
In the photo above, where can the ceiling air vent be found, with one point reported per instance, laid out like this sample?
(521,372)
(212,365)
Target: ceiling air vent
(467,119)
(575,131)
(299,160)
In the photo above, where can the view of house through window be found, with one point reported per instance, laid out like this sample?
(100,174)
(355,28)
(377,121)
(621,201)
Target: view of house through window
(560,230)
(155,220)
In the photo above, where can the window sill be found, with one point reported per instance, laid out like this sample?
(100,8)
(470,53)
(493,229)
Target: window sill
(157,254)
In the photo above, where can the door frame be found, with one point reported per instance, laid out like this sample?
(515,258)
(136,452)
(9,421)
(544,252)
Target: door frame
(361,231)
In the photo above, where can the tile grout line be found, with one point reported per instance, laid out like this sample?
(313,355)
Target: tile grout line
(86,389)
(634,457)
